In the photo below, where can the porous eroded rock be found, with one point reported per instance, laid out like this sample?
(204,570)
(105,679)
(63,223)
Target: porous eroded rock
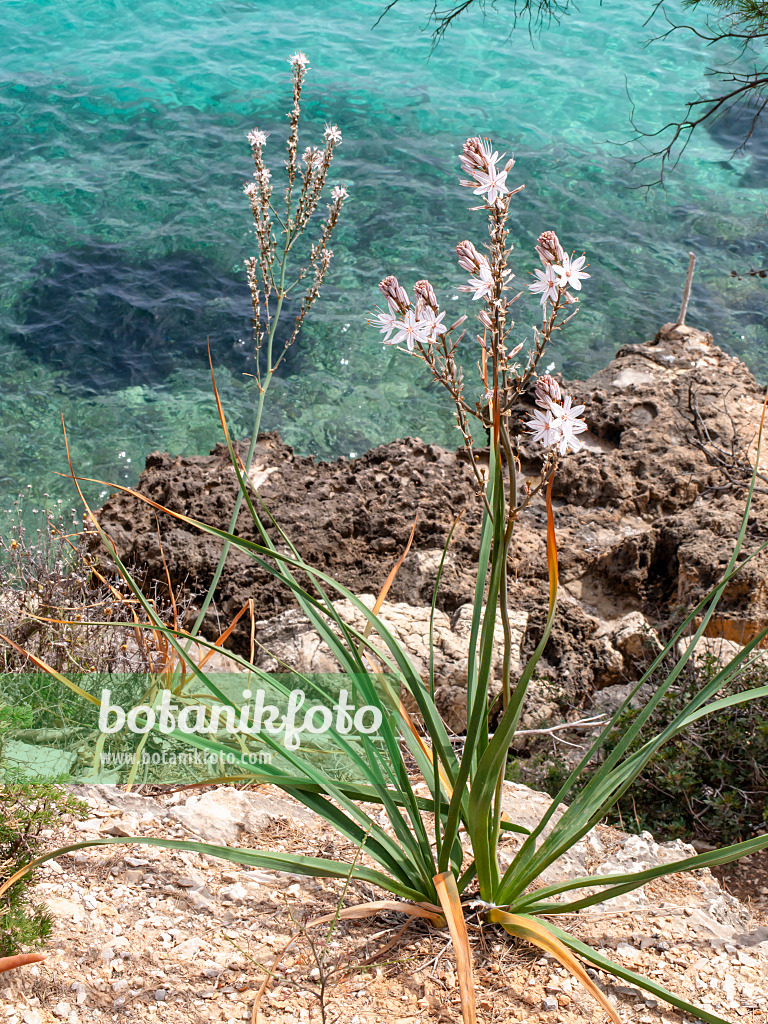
(646,518)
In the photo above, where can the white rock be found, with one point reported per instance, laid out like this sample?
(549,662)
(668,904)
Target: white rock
(222,815)
(635,638)
(236,893)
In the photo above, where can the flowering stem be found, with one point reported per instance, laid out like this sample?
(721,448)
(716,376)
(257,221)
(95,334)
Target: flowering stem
(251,450)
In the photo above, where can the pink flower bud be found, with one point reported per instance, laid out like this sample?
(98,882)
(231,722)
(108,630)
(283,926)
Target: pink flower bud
(547,391)
(396,296)
(469,258)
(477,155)
(425,295)
(549,249)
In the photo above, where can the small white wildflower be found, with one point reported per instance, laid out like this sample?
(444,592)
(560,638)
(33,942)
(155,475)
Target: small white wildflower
(251,189)
(432,322)
(385,322)
(547,284)
(257,138)
(558,425)
(541,426)
(339,193)
(491,182)
(312,156)
(568,423)
(482,285)
(299,60)
(410,330)
(570,272)
(332,134)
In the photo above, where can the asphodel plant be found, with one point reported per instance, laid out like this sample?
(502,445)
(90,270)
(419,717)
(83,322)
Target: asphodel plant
(436,849)
(276,232)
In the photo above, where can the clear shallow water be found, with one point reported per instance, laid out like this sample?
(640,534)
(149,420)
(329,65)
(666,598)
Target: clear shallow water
(123,226)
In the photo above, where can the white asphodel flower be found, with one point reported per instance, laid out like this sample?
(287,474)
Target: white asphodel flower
(257,138)
(568,423)
(385,322)
(332,134)
(481,285)
(312,157)
(299,59)
(433,323)
(570,272)
(547,284)
(541,426)
(339,193)
(491,182)
(558,425)
(410,330)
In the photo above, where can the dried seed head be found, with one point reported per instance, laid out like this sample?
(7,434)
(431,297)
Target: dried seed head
(549,249)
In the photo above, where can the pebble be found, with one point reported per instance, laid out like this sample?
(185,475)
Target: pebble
(237,892)
(197,901)
(161,995)
(188,882)
(549,1004)
(61,1010)
(81,992)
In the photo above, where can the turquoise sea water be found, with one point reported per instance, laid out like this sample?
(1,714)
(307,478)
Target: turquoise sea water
(123,226)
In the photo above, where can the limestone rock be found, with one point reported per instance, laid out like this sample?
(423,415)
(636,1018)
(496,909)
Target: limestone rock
(221,816)
(645,519)
(635,638)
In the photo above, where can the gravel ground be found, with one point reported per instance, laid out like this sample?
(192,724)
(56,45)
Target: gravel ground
(145,934)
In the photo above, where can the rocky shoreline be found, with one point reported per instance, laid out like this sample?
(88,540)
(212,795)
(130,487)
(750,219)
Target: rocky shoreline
(646,517)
